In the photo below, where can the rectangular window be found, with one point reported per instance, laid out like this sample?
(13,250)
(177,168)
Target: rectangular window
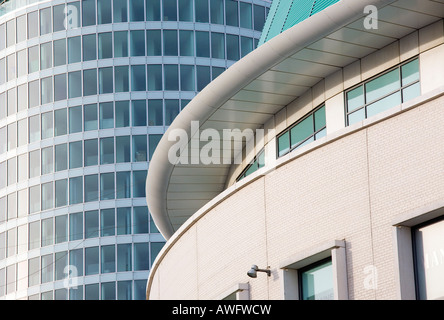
(106,150)
(384,92)
(47,196)
(140,219)
(21,63)
(154,77)
(123,220)
(106,115)
(91,152)
(88,13)
(105,45)
(47,268)
(217,45)
(138,78)
(22,97)
(170,42)
(45,55)
(201,10)
(60,87)
(171,80)
(47,125)
(141,251)
(89,47)
(91,224)
(246,20)
(59,52)
(12,101)
(76,260)
(90,82)
(123,184)
(308,129)
(202,77)
(186,10)
(45,21)
(90,117)
(121,78)
(61,157)
(107,222)
(47,160)
(316,281)
(76,228)
(138,113)
(232,47)
(153,43)
(61,193)
(74,84)
(186,42)
(154,140)
(33,27)
(61,229)
(120,11)
(21,28)
(107,186)
(75,119)
(259,17)
(169,10)
(231,13)
(33,59)
(10,33)
(137,10)
(91,188)
(120,44)
(46,90)
(60,122)
(152,10)
(139,179)
(74,52)
(171,110)
(91,262)
(75,190)
(217,11)
(61,262)
(123,149)
(34,163)
(34,235)
(124,257)
(59,16)
(47,232)
(104,11)
(33,94)
(246,46)
(155,112)
(139,148)
(108,259)
(122,114)
(75,154)
(187,78)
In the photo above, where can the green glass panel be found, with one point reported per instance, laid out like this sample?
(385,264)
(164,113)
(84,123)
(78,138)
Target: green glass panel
(299,11)
(317,282)
(411,92)
(261,159)
(251,169)
(321,134)
(355,98)
(319,119)
(410,72)
(302,131)
(384,104)
(356,116)
(284,143)
(382,85)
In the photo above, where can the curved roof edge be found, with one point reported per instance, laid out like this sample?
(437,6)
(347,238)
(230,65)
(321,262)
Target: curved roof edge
(233,80)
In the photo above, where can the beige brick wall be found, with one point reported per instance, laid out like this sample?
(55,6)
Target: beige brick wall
(351,189)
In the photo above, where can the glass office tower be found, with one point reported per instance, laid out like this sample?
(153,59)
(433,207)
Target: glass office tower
(87,88)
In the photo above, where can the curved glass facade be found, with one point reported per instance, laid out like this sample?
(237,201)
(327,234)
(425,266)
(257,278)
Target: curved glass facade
(87,88)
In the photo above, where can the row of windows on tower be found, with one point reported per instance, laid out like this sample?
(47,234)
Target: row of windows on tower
(118,44)
(85,13)
(75,226)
